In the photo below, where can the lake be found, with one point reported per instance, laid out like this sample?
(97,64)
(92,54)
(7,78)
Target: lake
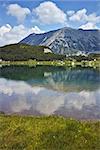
(49,90)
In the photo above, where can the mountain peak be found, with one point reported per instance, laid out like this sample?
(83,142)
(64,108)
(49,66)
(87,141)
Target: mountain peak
(67,40)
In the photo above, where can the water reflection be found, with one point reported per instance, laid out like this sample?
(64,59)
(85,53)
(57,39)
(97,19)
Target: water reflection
(56,78)
(46,90)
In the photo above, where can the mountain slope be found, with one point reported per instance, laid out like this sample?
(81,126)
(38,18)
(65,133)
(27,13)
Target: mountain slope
(25,52)
(67,40)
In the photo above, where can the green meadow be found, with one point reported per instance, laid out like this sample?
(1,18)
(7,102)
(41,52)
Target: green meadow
(48,133)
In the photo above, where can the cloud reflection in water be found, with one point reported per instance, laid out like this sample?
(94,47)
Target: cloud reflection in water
(20,97)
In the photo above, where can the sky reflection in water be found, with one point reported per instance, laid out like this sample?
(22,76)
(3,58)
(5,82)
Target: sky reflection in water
(61,92)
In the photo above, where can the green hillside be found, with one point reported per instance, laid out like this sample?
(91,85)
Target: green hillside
(21,52)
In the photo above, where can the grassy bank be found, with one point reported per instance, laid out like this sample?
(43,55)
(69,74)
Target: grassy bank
(48,133)
(95,64)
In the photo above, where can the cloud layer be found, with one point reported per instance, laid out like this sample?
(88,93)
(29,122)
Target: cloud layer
(48,13)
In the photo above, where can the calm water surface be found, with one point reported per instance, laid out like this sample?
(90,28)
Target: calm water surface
(47,90)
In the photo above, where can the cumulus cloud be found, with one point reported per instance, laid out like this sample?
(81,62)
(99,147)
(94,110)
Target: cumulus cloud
(89,25)
(82,16)
(17,11)
(70,12)
(49,13)
(10,35)
(93,18)
(5,29)
(87,21)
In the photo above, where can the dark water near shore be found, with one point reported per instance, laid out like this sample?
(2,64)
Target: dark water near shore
(48,90)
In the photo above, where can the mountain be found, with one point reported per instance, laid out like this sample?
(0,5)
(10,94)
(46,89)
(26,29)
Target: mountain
(67,40)
(25,52)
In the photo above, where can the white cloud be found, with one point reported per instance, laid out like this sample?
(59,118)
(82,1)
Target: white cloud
(17,11)
(5,29)
(88,25)
(93,18)
(10,35)
(49,13)
(70,12)
(82,16)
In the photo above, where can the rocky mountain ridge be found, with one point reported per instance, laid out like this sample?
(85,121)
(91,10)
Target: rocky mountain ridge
(67,40)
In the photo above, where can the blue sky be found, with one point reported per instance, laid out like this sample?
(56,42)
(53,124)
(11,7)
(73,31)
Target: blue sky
(22,17)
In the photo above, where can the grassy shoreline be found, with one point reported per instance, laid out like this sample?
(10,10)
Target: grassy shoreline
(65,63)
(48,133)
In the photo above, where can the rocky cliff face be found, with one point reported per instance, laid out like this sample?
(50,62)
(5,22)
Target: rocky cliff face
(67,40)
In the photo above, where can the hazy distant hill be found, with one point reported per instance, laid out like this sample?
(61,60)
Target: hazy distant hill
(67,40)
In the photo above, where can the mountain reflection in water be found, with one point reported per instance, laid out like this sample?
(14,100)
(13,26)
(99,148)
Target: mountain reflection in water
(47,90)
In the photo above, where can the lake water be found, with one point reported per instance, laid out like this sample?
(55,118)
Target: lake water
(47,90)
